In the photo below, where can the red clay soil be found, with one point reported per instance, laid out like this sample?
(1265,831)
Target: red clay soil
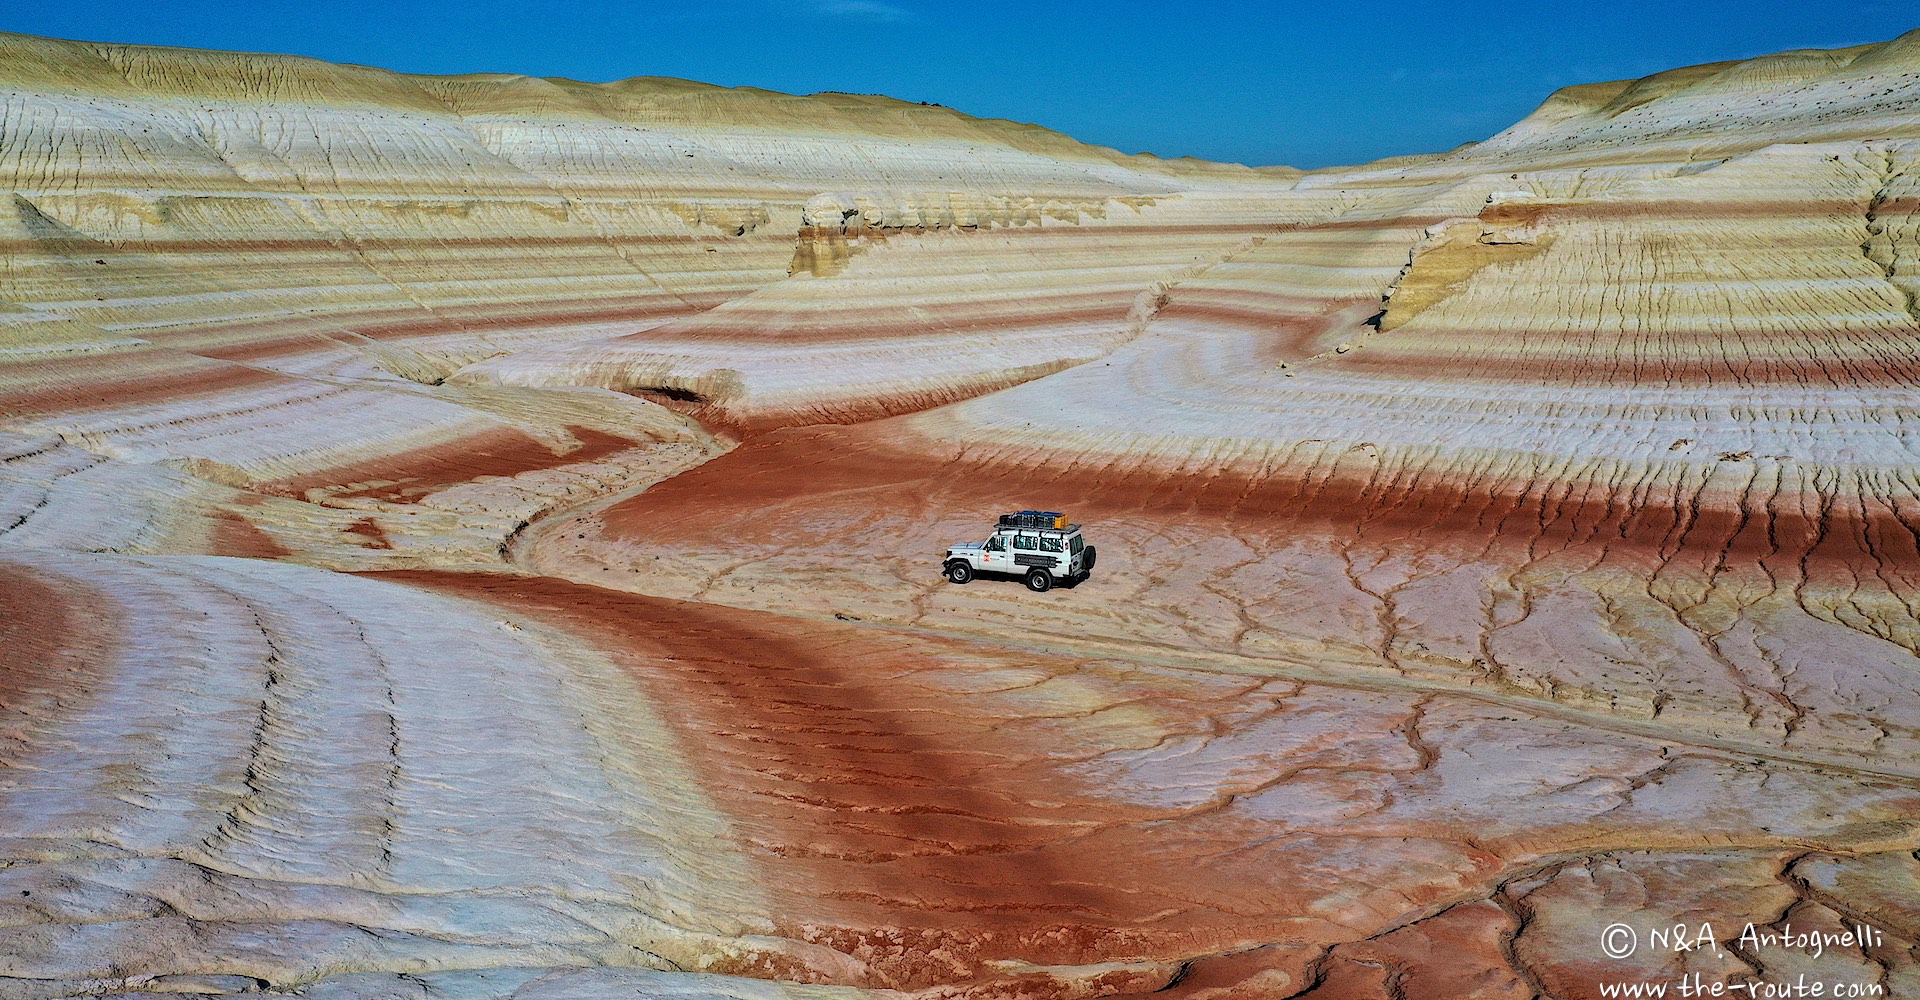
(960,316)
(250,339)
(234,535)
(405,477)
(1457,953)
(826,476)
(117,382)
(367,528)
(893,824)
(718,418)
(52,641)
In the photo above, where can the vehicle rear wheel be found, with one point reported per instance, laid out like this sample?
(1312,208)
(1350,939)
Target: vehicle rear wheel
(959,572)
(1039,580)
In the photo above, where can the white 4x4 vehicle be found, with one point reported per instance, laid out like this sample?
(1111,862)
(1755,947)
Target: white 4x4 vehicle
(1037,545)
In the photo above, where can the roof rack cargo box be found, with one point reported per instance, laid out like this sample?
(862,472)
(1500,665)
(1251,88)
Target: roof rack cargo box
(1035,519)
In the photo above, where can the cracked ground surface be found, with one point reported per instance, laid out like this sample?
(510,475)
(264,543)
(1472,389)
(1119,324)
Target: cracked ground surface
(489,548)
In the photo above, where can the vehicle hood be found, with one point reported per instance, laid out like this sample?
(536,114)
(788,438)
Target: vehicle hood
(967,545)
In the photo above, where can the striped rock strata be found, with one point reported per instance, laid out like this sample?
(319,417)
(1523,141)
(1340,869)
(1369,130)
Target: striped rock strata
(473,537)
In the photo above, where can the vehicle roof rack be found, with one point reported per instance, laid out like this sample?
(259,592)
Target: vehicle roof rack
(1035,519)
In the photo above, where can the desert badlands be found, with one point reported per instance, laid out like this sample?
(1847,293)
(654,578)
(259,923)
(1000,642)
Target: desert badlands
(479,537)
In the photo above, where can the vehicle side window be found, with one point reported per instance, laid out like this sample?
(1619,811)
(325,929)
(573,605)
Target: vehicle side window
(1025,542)
(997,543)
(1049,544)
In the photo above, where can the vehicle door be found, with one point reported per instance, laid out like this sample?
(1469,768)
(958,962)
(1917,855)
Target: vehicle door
(996,558)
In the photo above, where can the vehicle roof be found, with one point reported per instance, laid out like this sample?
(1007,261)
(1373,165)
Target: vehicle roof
(1014,529)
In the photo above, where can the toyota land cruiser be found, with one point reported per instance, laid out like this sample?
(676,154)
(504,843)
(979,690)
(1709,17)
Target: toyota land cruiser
(1039,546)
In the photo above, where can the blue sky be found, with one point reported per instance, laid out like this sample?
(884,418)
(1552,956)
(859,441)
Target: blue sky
(1310,84)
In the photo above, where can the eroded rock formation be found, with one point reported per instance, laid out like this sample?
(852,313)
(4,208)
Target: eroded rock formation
(473,537)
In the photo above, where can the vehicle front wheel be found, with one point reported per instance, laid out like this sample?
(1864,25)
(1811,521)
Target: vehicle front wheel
(1039,580)
(959,572)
